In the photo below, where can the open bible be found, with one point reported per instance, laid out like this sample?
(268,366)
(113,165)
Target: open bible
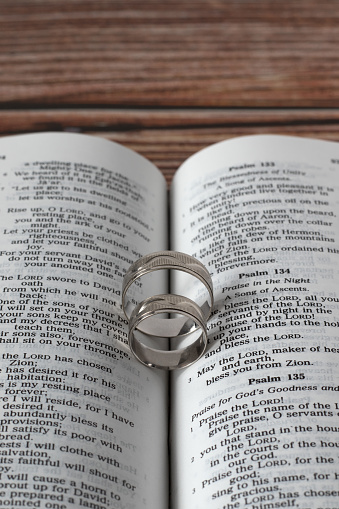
(254,423)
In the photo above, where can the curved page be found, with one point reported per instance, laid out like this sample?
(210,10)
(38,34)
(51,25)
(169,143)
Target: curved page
(255,421)
(82,423)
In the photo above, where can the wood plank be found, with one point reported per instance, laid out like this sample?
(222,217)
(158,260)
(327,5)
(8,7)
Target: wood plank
(167,137)
(149,53)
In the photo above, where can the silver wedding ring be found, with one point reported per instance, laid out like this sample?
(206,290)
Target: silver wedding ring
(167,359)
(167,260)
(167,331)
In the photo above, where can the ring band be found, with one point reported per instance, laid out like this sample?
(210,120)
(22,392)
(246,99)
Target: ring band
(167,359)
(167,260)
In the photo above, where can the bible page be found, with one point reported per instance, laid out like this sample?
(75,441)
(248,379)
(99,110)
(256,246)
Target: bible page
(83,424)
(255,421)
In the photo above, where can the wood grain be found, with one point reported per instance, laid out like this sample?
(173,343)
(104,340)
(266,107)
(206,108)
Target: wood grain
(146,53)
(169,78)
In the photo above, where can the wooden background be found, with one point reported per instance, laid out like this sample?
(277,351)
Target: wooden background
(168,78)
